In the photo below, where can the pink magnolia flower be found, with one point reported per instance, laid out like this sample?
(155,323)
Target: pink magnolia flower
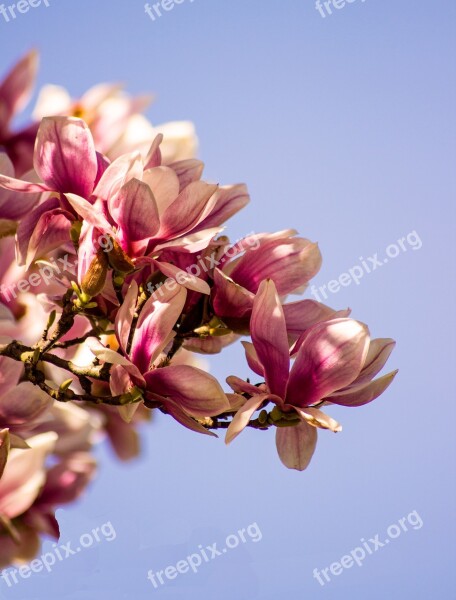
(289,261)
(185,392)
(335,361)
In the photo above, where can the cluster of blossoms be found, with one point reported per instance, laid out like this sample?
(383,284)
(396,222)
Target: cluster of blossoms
(114,274)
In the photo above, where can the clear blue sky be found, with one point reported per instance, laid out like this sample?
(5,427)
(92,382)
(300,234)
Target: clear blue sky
(344,128)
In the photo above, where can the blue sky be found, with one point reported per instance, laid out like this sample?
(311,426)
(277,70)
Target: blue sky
(344,128)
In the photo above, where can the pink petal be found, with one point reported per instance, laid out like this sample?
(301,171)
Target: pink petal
(242,418)
(290,263)
(184,419)
(164,185)
(155,324)
(89,213)
(228,201)
(119,172)
(296,445)
(301,315)
(252,358)
(330,358)
(269,336)
(359,395)
(8,181)
(193,390)
(187,171)
(124,317)
(229,298)
(65,156)
(183,278)
(134,209)
(243,387)
(189,209)
(154,156)
(17,86)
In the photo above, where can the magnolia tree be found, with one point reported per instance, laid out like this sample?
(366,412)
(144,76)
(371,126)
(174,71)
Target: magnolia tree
(114,274)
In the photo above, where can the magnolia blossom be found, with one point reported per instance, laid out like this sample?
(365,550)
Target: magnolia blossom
(335,362)
(114,269)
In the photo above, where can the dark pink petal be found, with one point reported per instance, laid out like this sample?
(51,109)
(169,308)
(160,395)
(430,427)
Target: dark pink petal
(230,299)
(119,172)
(187,171)
(301,315)
(51,231)
(359,395)
(134,209)
(65,156)
(27,227)
(183,278)
(154,156)
(296,445)
(17,87)
(193,390)
(252,358)
(269,336)
(184,419)
(242,418)
(290,263)
(155,325)
(14,206)
(189,209)
(330,358)
(8,182)
(228,201)
(90,213)
(243,387)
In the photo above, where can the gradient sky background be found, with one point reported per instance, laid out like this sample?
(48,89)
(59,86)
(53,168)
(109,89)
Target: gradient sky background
(344,128)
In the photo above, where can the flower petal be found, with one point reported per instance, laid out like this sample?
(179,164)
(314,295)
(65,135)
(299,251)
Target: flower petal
(242,418)
(269,336)
(155,324)
(16,88)
(65,156)
(359,395)
(330,357)
(195,391)
(296,445)
(135,210)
